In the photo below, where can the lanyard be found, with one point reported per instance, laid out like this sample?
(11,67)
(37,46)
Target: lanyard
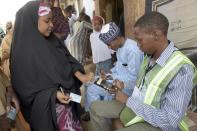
(148,68)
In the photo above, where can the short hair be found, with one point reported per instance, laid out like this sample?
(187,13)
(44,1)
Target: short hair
(153,20)
(69,8)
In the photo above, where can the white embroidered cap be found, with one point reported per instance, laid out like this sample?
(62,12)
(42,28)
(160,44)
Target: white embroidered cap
(109,32)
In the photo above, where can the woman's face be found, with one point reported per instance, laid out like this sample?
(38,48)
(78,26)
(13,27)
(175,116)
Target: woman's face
(45,24)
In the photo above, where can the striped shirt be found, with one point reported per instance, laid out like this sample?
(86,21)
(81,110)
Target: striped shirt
(174,101)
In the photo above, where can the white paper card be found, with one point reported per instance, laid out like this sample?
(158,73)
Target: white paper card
(137,94)
(75,97)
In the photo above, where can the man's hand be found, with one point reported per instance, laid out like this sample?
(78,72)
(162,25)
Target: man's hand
(4,123)
(121,97)
(103,75)
(11,100)
(118,84)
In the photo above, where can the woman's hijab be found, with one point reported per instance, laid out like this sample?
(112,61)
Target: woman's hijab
(39,66)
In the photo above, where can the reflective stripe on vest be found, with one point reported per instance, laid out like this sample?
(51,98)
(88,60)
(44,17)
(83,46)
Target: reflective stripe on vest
(154,86)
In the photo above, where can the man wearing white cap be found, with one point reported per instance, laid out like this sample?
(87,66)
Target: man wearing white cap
(129,58)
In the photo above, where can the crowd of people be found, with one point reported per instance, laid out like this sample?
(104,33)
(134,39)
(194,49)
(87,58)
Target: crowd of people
(42,58)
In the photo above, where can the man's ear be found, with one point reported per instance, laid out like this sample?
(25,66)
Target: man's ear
(156,34)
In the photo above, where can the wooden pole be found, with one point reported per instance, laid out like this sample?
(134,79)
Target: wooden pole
(133,9)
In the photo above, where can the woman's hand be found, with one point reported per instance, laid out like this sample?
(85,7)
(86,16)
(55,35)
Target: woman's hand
(64,99)
(85,78)
(88,77)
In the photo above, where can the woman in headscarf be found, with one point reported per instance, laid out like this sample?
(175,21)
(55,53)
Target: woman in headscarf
(40,67)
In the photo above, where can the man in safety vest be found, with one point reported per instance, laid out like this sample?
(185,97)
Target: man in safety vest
(163,89)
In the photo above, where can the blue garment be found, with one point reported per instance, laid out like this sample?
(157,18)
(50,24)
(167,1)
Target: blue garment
(174,101)
(103,65)
(129,58)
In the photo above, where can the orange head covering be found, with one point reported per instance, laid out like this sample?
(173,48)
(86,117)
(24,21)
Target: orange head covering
(98,18)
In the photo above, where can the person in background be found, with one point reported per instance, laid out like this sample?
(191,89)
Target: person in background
(79,44)
(9,26)
(125,71)
(72,20)
(60,22)
(8,98)
(71,15)
(49,73)
(2,34)
(5,49)
(68,11)
(100,52)
(163,89)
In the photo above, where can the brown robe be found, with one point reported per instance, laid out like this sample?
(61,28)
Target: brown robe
(21,124)
(5,50)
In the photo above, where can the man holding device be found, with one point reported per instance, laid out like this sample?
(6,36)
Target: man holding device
(126,68)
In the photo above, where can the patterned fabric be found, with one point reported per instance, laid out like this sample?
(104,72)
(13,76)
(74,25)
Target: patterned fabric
(109,32)
(65,119)
(173,102)
(79,44)
(60,23)
(43,10)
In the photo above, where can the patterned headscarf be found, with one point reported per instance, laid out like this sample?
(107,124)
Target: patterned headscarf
(109,32)
(43,9)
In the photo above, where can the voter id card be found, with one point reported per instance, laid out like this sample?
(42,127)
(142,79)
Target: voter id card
(75,97)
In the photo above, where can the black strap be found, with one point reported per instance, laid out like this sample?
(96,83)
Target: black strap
(148,68)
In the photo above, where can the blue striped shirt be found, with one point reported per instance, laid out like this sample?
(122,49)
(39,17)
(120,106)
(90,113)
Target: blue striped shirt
(174,101)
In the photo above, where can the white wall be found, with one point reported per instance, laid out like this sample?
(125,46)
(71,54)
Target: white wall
(8,9)
(89,6)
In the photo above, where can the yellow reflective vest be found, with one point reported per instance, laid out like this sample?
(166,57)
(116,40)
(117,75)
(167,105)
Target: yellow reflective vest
(155,85)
